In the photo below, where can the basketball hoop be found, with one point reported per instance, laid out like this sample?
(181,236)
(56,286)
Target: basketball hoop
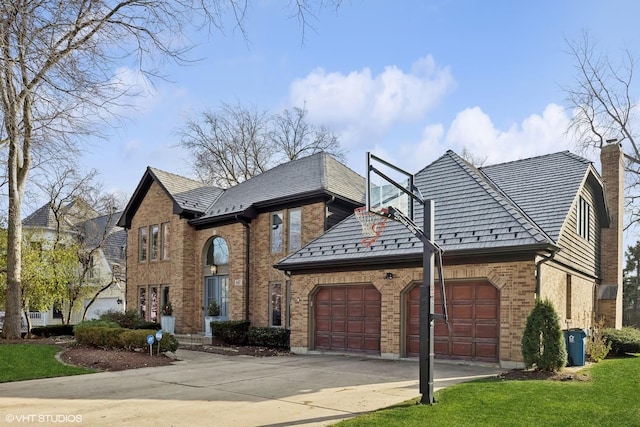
(372,224)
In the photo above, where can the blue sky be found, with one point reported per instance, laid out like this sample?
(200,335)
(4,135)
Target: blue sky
(406,80)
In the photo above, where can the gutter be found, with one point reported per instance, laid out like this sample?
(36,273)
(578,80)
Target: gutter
(247,244)
(538,265)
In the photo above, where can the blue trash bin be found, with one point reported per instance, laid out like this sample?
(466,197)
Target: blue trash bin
(576,341)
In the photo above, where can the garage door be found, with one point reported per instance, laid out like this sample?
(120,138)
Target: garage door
(347,319)
(474,322)
(100,306)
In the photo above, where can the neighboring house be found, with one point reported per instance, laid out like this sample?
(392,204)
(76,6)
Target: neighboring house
(540,227)
(284,250)
(193,244)
(81,224)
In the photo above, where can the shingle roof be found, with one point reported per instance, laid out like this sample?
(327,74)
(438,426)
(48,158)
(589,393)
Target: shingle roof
(315,173)
(472,212)
(188,194)
(530,184)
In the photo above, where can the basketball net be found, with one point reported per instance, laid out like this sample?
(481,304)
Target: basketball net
(372,224)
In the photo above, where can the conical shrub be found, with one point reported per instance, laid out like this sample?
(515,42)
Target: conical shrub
(543,346)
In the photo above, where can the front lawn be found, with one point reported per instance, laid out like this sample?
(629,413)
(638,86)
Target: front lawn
(609,399)
(20,362)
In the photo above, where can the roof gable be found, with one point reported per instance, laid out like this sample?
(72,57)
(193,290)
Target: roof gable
(315,174)
(189,197)
(471,214)
(544,187)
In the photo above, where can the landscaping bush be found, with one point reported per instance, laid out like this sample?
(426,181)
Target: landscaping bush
(52,330)
(231,331)
(543,345)
(623,341)
(148,325)
(269,337)
(98,336)
(95,323)
(131,339)
(597,346)
(129,319)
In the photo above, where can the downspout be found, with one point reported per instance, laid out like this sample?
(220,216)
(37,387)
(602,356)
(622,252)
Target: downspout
(247,244)
(538,265)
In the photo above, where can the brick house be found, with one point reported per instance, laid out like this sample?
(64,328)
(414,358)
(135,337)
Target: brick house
(282,249)
(192,244)
(543,226)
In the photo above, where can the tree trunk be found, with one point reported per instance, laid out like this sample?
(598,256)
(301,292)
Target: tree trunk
(17,177)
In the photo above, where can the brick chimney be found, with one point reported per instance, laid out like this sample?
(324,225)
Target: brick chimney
(609,292)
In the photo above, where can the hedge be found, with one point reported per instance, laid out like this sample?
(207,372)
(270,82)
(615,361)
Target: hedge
(52,331)
(117,337)
(231,331)
(269,337)
(623,341)
(131,339)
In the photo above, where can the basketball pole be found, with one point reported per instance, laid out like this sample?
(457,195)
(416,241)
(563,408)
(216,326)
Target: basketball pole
(427,353)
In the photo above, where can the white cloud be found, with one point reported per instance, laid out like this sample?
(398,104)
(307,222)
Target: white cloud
(474,130)
(361,104)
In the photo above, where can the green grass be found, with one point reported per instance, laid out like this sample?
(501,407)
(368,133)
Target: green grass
(609,399)
(20,362)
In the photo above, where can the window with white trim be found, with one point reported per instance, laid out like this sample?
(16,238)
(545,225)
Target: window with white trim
(276,232)
(583,219)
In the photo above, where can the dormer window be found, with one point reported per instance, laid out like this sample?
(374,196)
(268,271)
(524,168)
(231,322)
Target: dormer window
(584,219)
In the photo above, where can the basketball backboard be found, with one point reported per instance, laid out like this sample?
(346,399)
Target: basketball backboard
(388,185)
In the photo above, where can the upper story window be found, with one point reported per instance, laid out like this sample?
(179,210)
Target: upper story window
(164,248)
(584,218)
(92,266)
(276,232)
(155,242)
(295,229)
(142,244)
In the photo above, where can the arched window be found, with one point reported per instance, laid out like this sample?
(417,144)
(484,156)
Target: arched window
(217,255)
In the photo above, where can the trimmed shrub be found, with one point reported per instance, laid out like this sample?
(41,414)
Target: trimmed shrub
(623,341)
(543,345)
(129,319)
(98,336)
(231,331)
(95,323)
(269,337)
(131,339)
(148,325)
(52,330)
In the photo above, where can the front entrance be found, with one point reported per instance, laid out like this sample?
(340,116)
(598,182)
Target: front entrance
(347,319)
(474,325)
(216,290)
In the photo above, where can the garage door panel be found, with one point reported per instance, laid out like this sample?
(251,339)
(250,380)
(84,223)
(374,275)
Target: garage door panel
(486,311)
(486,331)
(461,292)
(352,319)
(461,311)
(462,349)
(473,309)
(355,327)
(486,291)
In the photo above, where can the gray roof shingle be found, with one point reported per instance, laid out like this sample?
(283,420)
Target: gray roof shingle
(188,194)
(315,173)
(472,212)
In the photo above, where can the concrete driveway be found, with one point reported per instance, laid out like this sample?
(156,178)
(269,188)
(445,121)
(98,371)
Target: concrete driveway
(212,390)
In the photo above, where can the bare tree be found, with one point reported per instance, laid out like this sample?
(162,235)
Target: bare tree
(58,78)
(294,137)
(235,142)
(604,108)
(229,145)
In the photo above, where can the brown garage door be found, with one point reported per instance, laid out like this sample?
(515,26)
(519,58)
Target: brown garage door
(347,318)
(474,322)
